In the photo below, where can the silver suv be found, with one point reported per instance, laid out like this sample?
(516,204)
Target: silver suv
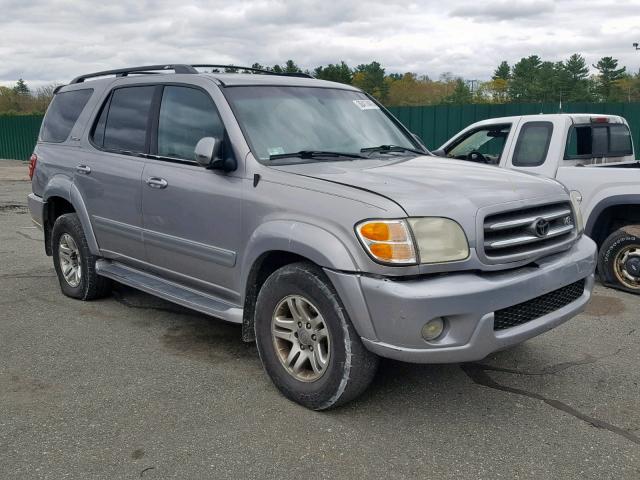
(304,211)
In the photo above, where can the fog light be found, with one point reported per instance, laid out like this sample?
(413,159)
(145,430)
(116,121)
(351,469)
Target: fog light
(433,329)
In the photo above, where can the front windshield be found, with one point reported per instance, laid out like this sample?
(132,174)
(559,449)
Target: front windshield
(283,120)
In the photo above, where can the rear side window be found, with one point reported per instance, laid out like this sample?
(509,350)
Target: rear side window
(589,141)
(533,144)
(123,121)
(620,140)
(63,114)
(186,116)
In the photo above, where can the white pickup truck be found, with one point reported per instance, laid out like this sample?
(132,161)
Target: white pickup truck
(592,155)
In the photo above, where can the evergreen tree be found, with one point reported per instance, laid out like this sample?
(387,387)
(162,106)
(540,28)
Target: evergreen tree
(575,79)
(524,77)
(21,88)
(291,67)
(461,93)
(503,71)
(370,77)
(334,73)
(609,74)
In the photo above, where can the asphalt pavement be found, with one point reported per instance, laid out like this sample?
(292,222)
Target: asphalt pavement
(134,387)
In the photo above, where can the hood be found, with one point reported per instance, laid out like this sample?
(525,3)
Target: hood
(432,186)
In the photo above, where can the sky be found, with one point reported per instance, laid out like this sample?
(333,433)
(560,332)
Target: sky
(53,41)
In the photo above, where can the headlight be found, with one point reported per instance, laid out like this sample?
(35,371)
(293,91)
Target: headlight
(387,241)
(439,239)
(576,200)
(434,240)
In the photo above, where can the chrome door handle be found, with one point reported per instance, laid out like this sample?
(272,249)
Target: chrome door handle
(83,169)
(155,182)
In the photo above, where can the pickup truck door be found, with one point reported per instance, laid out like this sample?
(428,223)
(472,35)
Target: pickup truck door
(191,215)
(537,147)
(108,175)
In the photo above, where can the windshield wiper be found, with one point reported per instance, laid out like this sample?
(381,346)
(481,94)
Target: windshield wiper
(307,154)
(391,148)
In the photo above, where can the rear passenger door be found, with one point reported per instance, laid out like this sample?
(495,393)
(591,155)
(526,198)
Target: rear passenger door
(109,177)
(192,216)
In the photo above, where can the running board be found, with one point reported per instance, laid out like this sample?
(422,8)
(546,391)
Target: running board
(169,291)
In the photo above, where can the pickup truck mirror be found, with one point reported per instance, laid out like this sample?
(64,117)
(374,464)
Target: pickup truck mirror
(209,154)
(439,153)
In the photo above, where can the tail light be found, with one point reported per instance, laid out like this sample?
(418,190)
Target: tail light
(599,120)
(32,165)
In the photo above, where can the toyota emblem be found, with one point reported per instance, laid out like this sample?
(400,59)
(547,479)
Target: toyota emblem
(541,227)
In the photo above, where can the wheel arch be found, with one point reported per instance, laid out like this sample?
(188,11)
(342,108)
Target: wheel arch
(610,214)
(279,243)
(62,196)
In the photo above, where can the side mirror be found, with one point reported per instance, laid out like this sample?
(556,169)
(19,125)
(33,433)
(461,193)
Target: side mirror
(439,153)
(209,154)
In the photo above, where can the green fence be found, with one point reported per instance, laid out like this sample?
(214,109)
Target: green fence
(18,135)
(434,124)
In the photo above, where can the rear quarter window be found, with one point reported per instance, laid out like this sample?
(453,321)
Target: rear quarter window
(533,144)
(63,113)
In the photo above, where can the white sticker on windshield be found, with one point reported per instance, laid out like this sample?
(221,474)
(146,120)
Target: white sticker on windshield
(366,105)
(276,151)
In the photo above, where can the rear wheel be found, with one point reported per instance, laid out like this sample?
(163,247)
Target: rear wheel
(306,341)
(619,259)
(74,263)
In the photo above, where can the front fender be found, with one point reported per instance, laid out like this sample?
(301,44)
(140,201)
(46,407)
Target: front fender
(317,244)
(63,187)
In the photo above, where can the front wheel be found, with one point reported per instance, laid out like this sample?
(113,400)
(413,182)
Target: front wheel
(619,259)
(306,341)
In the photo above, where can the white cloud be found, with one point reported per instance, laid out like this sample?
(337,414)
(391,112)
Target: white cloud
(55,40)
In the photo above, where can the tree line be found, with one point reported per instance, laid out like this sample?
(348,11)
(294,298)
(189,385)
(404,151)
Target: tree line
(530,80)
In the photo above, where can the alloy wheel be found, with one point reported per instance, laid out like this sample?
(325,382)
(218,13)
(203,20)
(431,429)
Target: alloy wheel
(301,338)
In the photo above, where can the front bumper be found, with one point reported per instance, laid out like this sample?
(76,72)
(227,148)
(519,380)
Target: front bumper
(389,314)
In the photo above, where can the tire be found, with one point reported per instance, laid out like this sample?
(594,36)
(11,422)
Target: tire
(349,367)
(619,259)
(69,246)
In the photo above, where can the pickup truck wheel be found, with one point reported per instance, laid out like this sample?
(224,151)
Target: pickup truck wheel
(619,259)
(74,263)
(306,341)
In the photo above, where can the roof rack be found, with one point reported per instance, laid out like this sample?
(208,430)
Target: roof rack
(253,70)
(123,72)
(178,68)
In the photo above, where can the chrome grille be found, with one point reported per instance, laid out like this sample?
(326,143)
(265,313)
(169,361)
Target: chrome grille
(519,233)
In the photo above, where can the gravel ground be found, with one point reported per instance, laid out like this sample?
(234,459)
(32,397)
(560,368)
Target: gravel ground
(135,387)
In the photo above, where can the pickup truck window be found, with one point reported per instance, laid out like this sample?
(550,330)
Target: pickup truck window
(279,120)
(533,144)
(588,141)
(63,113)
(489,141)
(186,116)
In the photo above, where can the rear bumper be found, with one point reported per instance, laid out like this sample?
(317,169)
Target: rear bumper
(389,314)
(36,207)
